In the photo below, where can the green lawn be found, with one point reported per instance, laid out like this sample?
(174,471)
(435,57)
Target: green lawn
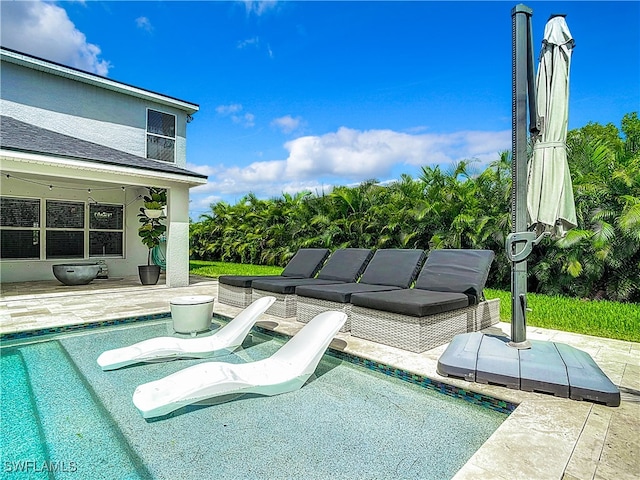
(598,318)
(215,269)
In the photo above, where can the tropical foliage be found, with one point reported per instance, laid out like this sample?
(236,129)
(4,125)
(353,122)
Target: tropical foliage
(458,208)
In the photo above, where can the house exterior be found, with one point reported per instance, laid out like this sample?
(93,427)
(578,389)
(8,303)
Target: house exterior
(77,153)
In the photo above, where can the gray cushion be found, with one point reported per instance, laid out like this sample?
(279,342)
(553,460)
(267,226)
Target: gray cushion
(346,264)
(306,263)
(459,271)
(287,286)
(412,302)
(397,267)
(340,293)
(244,281)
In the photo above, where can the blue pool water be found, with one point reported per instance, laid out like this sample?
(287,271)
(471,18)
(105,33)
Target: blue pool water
(63,417)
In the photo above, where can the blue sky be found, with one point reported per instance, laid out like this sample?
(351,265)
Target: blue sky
(307,95)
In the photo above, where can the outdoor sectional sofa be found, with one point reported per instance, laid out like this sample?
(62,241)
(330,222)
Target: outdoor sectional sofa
(343,266)
(236,289)
(447,299)
(388,270)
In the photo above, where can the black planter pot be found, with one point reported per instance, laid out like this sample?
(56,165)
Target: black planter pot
(149,274)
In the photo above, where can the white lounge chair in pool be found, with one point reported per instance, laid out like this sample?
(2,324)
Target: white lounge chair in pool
(164,349)
(285,371)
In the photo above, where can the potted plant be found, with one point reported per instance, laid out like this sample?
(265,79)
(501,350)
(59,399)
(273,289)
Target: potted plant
(151,231)
(155,202)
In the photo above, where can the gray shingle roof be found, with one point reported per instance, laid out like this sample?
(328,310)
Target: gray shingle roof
(24,137)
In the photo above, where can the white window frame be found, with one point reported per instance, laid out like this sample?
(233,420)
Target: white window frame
(42,229)
(156,135)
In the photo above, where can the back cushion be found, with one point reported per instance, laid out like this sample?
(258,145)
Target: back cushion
(346,264)
(459,271)
(390,266)
(306,262)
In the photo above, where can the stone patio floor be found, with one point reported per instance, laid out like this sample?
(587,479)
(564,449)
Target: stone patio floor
(544,438)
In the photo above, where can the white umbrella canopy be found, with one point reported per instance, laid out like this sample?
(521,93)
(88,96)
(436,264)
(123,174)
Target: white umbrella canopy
(550,192)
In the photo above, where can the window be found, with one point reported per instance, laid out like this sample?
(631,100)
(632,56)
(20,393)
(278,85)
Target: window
(161,136)
(68,230)
(64,234)
(20,228)
(106,230)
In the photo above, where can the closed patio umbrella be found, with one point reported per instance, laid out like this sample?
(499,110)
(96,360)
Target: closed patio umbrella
(550,200)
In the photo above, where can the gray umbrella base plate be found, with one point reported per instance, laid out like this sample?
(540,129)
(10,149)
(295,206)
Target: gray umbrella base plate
(546,367)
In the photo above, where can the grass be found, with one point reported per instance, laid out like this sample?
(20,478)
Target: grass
(598,318)
(215,269)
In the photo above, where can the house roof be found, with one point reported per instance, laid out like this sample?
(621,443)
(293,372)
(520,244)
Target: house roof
(37,63)
(23,137)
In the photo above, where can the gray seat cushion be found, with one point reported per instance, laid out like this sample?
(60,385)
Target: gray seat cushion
(340,293)
(244,281)
(304,264)
(457,271)
(412,302)
(346,264)
(396,267)
(287,286)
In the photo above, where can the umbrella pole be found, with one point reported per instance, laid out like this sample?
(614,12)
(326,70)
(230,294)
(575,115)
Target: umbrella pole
(519,242)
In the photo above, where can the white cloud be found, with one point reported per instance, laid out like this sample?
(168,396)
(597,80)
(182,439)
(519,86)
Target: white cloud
(288,124)
(259,7)
(316,163)
(203,169)
(229,109)
(249,42)
(256,43)
(247,120)
(44,30)
(144,24)
(374,153)
(234,111)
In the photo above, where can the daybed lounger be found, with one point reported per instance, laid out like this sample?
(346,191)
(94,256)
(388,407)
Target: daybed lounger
(236,289)
(344,265)
(164,349)
(447,299)
(389,269)
(285,371)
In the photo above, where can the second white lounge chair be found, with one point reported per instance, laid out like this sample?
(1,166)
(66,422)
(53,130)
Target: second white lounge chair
(285,371)
(164,349)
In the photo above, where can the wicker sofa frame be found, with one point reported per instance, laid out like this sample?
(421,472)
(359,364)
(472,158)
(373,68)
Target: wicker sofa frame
(418,334)
(343,266)
(304,264)
(235,296)
(389,269)
(283,307)
(307,308)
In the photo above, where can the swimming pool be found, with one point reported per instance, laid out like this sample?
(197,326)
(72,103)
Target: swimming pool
(63,417)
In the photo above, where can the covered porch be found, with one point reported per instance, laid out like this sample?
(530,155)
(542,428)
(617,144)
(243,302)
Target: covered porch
(65,200)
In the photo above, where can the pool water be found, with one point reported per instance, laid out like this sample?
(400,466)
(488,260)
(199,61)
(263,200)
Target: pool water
(63,417)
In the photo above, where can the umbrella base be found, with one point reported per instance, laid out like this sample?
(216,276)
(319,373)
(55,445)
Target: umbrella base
(546,367)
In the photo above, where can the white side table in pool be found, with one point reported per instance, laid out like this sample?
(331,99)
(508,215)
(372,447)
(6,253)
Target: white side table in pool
(191,314)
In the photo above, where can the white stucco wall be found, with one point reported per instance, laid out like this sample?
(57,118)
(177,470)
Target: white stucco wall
(178,238)
(83,111)
(107,113)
